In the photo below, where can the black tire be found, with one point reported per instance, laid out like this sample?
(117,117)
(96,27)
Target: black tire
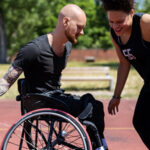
(35,129)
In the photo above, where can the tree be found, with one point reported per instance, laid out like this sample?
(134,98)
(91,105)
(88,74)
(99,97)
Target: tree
(97,28)
(27,19)
(2,36)
(146,6)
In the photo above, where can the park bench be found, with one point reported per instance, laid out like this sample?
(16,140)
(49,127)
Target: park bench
(88,74)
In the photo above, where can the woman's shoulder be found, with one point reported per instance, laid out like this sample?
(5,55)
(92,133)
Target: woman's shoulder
(145,20)
(145,26)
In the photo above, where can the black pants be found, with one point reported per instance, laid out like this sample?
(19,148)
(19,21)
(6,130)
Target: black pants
(141,119)
(76,105)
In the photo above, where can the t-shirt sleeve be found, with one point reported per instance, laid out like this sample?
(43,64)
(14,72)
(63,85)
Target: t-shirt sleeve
(26,56)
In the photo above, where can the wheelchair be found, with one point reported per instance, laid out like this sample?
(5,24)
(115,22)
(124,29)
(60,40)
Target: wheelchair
(49,128)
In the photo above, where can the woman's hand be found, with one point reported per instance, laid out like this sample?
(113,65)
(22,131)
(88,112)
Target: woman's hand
(113,106)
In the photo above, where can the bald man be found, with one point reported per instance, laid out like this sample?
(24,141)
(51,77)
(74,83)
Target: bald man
(42,61)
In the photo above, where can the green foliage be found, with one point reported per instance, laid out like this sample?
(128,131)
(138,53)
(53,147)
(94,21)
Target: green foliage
(97,25)
(142,6)
(27,19)
(146,6)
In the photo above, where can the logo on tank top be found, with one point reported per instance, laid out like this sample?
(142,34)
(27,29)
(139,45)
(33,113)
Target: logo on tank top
(127,53)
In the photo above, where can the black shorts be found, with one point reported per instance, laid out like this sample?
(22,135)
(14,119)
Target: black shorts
(57,99)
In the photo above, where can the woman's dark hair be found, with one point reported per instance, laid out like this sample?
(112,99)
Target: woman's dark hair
(123,5)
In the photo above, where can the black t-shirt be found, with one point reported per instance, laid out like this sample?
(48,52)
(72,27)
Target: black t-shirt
(136,50)
(42,68)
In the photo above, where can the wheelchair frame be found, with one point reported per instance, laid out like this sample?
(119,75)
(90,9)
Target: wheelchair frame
(50,116)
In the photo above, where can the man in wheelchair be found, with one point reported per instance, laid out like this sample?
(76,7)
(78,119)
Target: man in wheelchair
(42,61)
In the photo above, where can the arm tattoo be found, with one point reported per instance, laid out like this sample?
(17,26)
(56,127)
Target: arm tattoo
(9,78)
(12,75)
(3,86)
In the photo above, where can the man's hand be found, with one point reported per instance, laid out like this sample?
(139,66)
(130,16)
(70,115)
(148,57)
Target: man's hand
(113,106)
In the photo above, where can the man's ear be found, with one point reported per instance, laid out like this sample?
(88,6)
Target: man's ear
(66,21)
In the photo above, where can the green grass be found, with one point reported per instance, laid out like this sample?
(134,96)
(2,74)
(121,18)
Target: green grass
(131,89)
(98,89)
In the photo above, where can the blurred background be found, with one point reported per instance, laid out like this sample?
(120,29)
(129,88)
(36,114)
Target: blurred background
(24,20)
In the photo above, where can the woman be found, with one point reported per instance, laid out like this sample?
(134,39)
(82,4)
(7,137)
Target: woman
(130,34)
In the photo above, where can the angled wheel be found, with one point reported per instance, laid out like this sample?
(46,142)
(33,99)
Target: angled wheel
(47,129)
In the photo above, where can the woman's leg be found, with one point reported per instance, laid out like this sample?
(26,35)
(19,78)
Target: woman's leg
(141,119)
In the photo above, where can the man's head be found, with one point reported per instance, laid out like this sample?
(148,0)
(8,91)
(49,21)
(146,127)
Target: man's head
(72,19)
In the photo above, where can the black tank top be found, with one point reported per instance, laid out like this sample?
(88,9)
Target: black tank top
(136,50)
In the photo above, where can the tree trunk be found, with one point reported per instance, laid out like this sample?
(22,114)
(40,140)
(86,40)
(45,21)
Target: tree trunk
(2,39)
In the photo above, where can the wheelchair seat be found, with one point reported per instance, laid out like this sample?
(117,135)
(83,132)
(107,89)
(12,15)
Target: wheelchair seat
(32,101)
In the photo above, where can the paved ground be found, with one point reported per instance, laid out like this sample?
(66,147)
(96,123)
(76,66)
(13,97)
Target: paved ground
(119,132)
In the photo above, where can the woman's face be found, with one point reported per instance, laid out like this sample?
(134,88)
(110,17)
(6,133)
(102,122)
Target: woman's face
(120,21)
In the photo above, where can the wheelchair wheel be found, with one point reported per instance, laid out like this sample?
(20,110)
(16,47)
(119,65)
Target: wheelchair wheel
(47,129)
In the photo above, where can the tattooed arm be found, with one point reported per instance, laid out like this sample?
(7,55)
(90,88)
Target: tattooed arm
(9,78)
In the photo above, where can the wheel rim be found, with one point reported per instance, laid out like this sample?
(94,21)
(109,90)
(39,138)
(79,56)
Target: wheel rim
(62,133)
